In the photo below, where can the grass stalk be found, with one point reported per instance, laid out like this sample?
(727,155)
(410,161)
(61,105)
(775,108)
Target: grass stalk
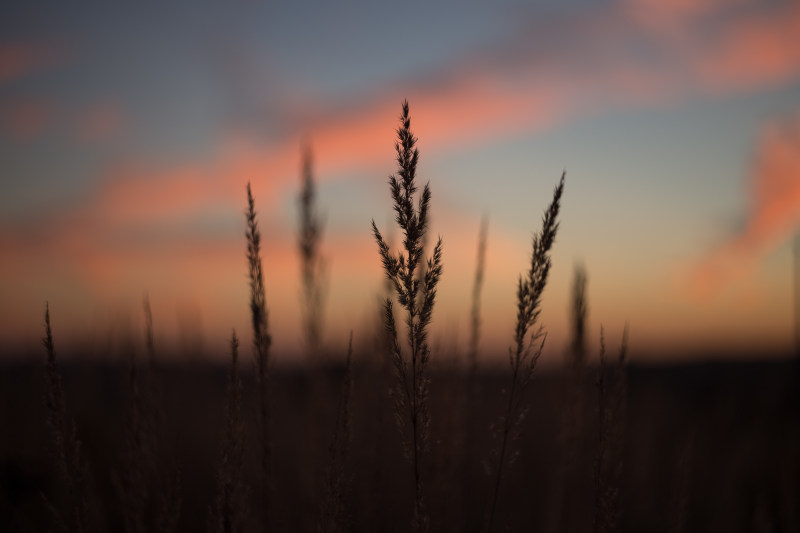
(312,264)
(261,345)
(611,396)
(66,447)
(416,296)
(475,311)
(571,431)
(333,512)
(166,501)
(228,514)
(525,352)
(131,480)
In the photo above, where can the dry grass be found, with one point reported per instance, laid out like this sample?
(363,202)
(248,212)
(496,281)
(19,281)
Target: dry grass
(132,480)
(164,475)
(312,263)
(334,516)
(66,448)
(571,468)
(416,297)
(475,311)
(611,406)
(229,511)
(525,353)
(261,344)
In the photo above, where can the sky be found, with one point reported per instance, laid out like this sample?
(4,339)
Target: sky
(128,135)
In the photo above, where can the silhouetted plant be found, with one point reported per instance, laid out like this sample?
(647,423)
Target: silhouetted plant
(571,431)
(610,428)
(312,264)
(261,344)
(149,339)
(416,296)
(475,312)
(66,447)
(579,310)
(524,355)
(163,478)
(333,512)
(132,480)
(228,513)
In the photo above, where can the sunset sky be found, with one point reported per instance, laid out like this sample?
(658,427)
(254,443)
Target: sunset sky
(127,137)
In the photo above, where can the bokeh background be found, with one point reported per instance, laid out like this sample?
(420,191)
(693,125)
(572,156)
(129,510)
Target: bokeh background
(127,136)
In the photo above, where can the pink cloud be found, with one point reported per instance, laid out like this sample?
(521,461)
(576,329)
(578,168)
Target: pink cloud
(18,60)
(753,51)
(774,212)
(471,103)
(100,121)
(666,15)
(25,120)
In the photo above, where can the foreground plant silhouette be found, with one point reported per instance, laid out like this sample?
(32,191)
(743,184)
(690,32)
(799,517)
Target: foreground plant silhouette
(523,357)
(261,344)
(416,295)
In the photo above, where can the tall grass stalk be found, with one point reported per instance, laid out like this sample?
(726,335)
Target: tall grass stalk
(149,338)
(164,478)
(66,447)
(526,352)
(137,463)
(312,263)
(475,311)
(261,345)
(333,512)
(416,297)
(228,513)
(571,431)
(611,398)
(578,311)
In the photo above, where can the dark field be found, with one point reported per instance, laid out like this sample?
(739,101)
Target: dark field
(706,447)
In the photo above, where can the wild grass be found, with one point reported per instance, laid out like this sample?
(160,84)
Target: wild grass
(475,310)
(334,516)
(416,297)
(570,466)
(578,311)
(149,337)
(229,512)
(133,480)
(164,476)
(525,353)
(261,345)
(312,263)
(66,447)
(611,407)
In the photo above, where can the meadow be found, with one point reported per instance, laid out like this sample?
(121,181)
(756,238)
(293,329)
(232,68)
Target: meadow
(393,435)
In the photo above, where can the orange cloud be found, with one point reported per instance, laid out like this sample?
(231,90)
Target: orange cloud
(753,51)
(475,101)
(136,193)
(774,212)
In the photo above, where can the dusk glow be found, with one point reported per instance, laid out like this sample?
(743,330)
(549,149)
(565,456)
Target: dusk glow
(127,139)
